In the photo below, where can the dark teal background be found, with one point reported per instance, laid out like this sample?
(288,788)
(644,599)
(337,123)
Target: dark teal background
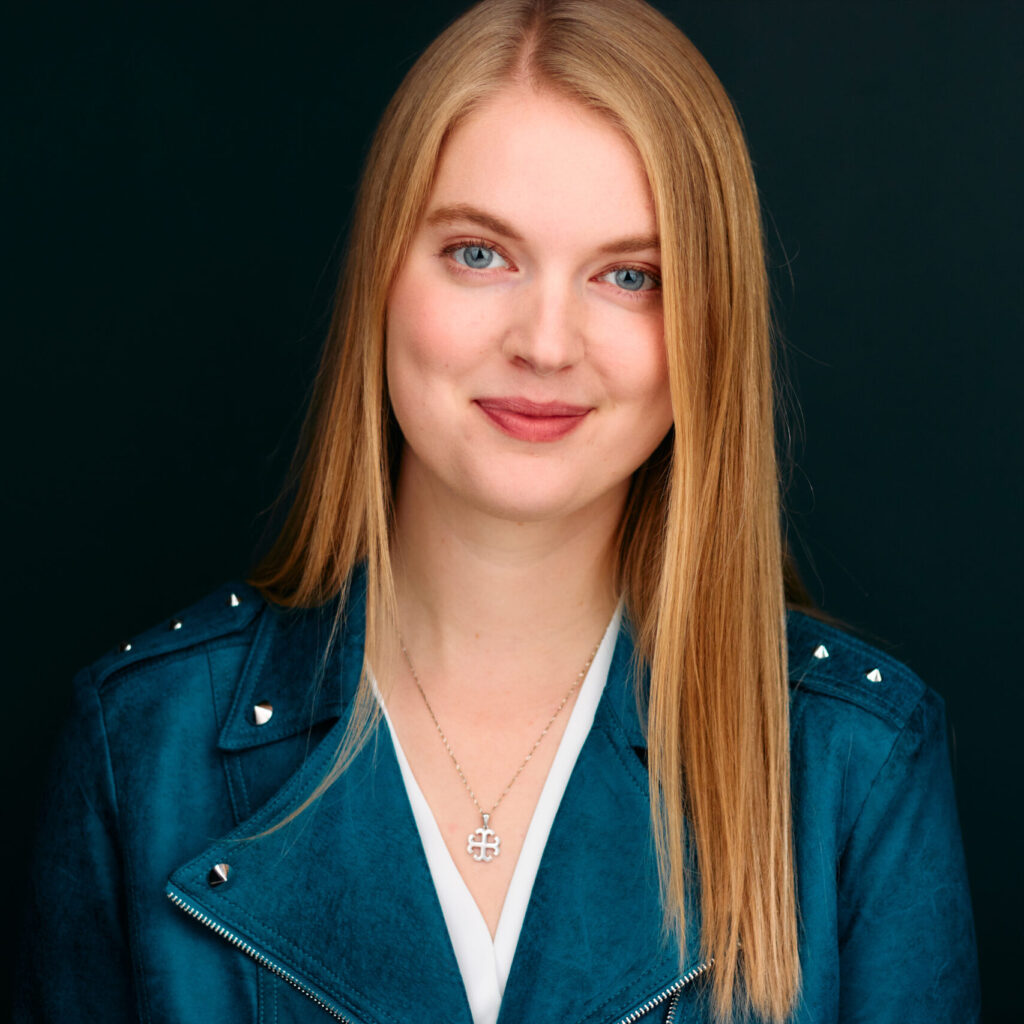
(177,180)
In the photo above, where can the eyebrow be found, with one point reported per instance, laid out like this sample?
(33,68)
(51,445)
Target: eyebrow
(465,212)
(473,214)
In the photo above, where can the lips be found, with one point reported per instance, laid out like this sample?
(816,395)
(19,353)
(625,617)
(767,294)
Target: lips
(526,420)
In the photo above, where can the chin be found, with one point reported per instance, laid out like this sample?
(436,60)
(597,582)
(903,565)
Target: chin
(531,498)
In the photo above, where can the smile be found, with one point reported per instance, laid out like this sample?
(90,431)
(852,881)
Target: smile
(533,421)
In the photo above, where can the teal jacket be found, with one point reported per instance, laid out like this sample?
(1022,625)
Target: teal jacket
(165,767)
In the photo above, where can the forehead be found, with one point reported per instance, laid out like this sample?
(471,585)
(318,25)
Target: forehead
(545,164)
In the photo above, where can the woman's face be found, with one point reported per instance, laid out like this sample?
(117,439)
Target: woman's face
(525,351)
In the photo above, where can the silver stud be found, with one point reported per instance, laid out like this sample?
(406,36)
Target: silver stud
(262,712)
(218,874)
(175,624)
(234,601)
(124,646)
(875,676)
(821,651)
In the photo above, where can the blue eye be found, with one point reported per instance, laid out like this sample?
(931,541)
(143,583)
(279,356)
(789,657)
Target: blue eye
(477,257)
(631,279)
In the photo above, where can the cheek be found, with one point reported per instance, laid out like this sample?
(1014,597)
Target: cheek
(433,348)
(416,348)
(655,405)
(638,386)
(637,368)
(415,327)
(431,329)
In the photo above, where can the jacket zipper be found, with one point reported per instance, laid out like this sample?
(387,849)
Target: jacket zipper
(671,992)
(257,956)
(673,1005)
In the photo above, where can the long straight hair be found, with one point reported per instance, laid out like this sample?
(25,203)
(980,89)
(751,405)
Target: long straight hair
(699,548)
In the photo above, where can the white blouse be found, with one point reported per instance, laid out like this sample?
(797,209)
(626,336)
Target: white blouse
(485,963)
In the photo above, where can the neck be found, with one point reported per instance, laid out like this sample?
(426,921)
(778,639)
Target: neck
(474,589)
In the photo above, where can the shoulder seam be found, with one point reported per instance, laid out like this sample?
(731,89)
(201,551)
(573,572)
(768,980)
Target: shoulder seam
(844,673)
(114,674)
(213,624)
(875,704)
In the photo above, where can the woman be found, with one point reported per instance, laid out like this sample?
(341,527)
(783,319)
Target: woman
(513,717)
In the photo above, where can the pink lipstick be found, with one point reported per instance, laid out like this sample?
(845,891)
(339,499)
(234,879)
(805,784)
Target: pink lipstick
(533,421)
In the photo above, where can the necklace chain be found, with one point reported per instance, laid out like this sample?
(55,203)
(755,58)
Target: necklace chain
(526,760)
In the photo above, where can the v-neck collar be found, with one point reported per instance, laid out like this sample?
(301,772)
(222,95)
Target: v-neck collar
(315,899)
(485,961)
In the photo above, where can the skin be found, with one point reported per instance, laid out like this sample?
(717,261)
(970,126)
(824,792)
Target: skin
(504,543)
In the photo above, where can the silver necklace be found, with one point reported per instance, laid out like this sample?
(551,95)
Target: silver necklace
(484,844)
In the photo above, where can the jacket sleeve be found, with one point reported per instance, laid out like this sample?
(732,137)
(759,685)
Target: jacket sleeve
(906,933)
(75,963)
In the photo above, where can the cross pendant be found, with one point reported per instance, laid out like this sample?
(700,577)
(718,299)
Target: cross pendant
(484,844)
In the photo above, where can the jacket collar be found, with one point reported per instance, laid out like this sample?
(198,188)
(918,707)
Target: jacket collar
(286,667)
(318,899)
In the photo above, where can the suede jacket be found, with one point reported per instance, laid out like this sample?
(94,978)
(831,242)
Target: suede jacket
(207,730)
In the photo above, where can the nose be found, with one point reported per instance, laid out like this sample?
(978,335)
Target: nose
(547,332)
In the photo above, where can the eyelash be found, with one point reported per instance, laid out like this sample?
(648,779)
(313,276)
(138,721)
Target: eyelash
(633,296)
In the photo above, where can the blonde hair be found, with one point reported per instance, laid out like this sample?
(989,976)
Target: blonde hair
(700,551)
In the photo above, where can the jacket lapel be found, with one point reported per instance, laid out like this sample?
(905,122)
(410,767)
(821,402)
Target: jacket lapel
(342,898)
(590,950)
